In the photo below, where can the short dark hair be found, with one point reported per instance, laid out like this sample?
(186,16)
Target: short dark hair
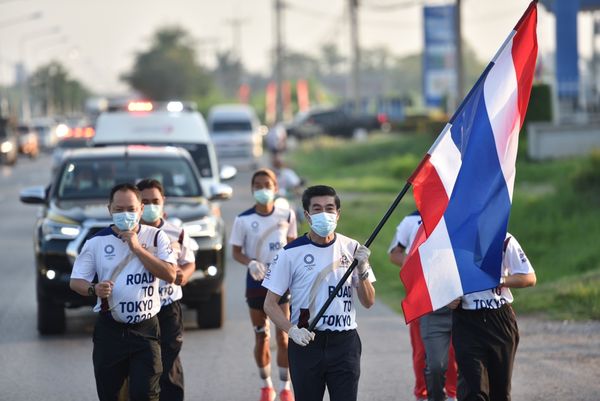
(318,190)
(150,183)
(266,172)
(126,186)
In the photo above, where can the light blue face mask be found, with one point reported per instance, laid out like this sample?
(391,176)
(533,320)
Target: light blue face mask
(152,213)
(264,196)
(323,223)
(125,221)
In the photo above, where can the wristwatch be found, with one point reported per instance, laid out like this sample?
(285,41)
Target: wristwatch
(364,275)
(92,290)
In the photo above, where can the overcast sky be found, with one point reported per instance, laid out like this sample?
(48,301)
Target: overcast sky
(97,39)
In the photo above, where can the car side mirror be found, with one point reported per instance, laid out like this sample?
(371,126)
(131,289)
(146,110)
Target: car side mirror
(33,195)
(227,173)
(220,192)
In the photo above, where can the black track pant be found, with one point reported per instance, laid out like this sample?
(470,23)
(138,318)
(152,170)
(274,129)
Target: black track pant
(127,350)
(485,343)
(332,359)
(171,339)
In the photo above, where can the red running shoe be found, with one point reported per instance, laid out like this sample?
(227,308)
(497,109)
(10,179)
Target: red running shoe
(267,394)
(286,395)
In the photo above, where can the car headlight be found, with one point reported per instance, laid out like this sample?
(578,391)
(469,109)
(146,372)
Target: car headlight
(6,147)
(52,229)
(205,227)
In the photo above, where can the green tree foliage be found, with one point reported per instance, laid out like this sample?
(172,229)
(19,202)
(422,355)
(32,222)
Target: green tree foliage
(168,69)
(55,91)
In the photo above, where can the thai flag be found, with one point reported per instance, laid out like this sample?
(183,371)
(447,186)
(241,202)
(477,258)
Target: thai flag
(463,187)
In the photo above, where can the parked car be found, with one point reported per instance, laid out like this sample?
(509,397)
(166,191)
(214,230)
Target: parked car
(9,144)
(236,132)
(337,121)
(45,128)
(171,123)
(73,209)
(28,141)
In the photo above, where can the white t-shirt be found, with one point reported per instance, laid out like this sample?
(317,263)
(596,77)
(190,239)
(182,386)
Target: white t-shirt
(514,261)
(183,248)
(261,237)
(310,271)
(406,232)
(135,295)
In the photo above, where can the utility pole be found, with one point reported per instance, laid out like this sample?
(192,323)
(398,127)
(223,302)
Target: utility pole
(236,25)
(355,56)
(278,4)
(460,76)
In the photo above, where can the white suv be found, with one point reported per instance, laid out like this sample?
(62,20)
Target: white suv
(167,124)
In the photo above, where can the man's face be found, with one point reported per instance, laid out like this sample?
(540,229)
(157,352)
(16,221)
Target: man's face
(152,196)
(125,201)
(263,182)
(320,204)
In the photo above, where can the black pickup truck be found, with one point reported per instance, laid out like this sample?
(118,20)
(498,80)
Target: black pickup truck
(337,121)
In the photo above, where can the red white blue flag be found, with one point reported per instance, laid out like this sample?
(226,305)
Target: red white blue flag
(463,187)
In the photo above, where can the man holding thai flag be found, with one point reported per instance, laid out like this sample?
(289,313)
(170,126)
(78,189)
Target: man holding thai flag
(463,190)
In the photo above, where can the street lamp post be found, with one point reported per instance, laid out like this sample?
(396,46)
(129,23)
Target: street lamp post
(7,24)
(25,106)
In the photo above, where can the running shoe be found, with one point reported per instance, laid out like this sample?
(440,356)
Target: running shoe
(286,395)
(267,394)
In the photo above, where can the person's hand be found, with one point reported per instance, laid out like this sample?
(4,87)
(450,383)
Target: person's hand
(104,288)
(257,270)
(300,336)
(179,277)
(362,256)
(131,238)
(454,304)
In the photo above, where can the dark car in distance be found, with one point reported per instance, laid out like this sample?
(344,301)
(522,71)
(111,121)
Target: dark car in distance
(339,121)
(74,208)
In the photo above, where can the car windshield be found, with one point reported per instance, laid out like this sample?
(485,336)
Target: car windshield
(94,178)
(229,126)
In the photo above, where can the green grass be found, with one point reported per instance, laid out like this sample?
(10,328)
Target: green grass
(555,215)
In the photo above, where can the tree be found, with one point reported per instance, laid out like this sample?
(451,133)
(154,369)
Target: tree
(53,91)
(228,72)
(332,59)
(168,69)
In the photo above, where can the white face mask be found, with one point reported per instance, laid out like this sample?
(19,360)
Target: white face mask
(125,221)
(323,224)
(264,196)
(152,213)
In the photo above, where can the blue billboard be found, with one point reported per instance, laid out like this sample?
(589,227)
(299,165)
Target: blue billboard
(439,55)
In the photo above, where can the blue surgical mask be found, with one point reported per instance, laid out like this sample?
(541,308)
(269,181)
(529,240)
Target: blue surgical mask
(152,213)
(125,221)
(323,224)
(264,196)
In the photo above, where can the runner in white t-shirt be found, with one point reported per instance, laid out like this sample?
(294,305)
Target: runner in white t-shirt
(128,259)
(256,237)
(484,330)
(430,336)
(170,317)
(311,267)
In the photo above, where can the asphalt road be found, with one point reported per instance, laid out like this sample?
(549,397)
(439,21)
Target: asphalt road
(555,361)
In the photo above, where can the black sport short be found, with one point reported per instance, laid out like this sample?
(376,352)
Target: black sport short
(259,302)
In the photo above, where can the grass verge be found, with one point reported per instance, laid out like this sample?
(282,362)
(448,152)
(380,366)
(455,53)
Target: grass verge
(555,215)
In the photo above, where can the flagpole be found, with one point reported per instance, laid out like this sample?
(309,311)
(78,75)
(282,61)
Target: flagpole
(368,243)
